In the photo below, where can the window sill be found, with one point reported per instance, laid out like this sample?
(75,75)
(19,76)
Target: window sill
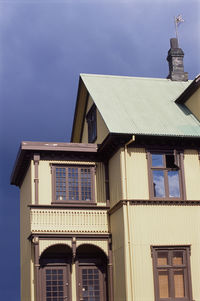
(93,206)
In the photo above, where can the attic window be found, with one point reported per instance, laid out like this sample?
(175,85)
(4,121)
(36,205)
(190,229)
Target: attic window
(92,124)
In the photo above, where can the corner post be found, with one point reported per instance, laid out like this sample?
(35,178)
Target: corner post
(36,159)
(35,241)
(110,271)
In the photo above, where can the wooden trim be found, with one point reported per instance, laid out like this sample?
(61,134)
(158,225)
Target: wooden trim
(185,266)
(165,169)
(150,202)
(36,159)
(117,206)
(70,236)
(66,167)
(77,205)
(35,241)
(171,202)
(110,272)
(107,184)
(183,175)
(188,254)
(84,114)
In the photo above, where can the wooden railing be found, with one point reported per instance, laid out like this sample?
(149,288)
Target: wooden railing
(68,221)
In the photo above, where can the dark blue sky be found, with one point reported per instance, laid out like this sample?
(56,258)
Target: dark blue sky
(44,45)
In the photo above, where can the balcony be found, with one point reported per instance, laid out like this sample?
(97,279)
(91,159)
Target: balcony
(68,221)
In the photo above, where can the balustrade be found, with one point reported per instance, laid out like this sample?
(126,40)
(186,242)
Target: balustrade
(68,221)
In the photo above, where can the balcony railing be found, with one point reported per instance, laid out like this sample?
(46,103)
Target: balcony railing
(68,221)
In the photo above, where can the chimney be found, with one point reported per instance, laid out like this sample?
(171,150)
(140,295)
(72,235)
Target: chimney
(175,59)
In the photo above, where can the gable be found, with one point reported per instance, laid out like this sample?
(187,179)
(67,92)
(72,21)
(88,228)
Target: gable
(193,104)
(102,130)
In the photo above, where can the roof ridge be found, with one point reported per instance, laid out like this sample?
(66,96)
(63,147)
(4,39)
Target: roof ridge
(127,77)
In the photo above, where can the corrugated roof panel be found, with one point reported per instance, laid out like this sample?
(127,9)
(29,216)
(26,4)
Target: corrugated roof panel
(141,105)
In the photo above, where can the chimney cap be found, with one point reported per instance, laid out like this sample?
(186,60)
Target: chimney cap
(174,43)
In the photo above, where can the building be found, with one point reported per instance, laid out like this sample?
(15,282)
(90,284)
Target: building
(115,214)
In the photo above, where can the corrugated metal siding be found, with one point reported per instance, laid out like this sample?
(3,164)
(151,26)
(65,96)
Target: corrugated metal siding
(141,105)
(137,174)
(100,184)
(117,230)
(25,230)
(115,179)
(192,174)
(162,225)
(193,104)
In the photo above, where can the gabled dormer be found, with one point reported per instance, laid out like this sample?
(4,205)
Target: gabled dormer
(191,97)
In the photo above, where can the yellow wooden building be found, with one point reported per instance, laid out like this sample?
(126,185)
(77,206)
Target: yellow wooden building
(115,214)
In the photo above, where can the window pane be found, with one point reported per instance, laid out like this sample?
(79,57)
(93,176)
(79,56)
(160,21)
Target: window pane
(179,284)
(73,183)
(163,280)
(162,258)
(60,184)
(86,180)
(178,258)
(158,183)
(157,160)
(173,180)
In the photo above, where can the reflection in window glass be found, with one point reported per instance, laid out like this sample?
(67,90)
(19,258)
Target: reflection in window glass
(173,180)
(157,160)
(158,183)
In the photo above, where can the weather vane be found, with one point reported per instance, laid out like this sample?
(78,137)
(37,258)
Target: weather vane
(178,20)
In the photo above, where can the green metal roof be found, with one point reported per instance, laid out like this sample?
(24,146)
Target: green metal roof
(134,105)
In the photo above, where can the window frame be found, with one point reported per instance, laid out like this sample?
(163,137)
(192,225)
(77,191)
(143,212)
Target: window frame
(91,118)
(102,278)
(170,268)
(67,201)
(178,162)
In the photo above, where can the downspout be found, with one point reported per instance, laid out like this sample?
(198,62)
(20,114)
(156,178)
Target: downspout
(128,214)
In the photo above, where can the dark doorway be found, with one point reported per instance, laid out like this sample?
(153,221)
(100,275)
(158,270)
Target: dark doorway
(55,264)
(92,273)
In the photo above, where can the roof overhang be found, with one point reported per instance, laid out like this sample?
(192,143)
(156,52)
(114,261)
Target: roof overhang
(51,151)
(80,110)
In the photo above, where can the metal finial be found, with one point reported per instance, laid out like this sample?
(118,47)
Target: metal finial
(177,21)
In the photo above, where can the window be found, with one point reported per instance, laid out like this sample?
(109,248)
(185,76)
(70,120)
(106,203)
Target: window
(165,177)
(92,124)
(73,184)
(172,273)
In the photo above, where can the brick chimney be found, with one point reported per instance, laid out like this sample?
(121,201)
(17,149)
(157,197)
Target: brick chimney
(175,59)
